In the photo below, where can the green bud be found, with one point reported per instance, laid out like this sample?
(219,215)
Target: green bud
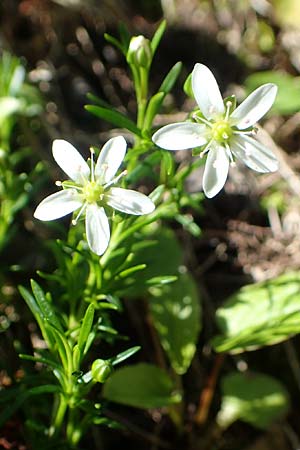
(101,370)
(139,52)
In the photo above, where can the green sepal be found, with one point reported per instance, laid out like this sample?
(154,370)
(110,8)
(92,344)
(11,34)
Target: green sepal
(187,87)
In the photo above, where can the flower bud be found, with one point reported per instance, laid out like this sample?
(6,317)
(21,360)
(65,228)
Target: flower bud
(139,52)
(101,370)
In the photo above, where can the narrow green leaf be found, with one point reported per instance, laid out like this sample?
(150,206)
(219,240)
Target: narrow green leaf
(45,305)
(141,386)
(171,78)
(152,109)
(124,355)
(254,398)
(124,35)
(38,314)
(63,347)
(46,361)
(115,42)
(115,117)
(85,328)
(131,270)
(98,101)
(19,399)
(158,35)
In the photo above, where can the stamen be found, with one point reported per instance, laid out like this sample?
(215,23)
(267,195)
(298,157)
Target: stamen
(206,149)
(92,164)
(69,186)
(228,106)
(201,119)
(74,221)
(249,133)
(229,154)
(116,179)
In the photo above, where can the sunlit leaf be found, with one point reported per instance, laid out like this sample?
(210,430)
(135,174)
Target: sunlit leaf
(142,386)
(176,313)
(254,398)
(288,97)
(259,314)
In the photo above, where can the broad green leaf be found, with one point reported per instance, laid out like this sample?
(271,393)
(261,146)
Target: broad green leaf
(176,314)
(141,386)
(85,328)
(259,314)
(158,35)
(254,398)
(288,97)
(115,117)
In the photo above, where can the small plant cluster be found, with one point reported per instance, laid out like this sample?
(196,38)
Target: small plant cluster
(125,248)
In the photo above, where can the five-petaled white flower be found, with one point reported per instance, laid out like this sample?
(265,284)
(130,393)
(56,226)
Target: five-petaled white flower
(225,133)
(90,190)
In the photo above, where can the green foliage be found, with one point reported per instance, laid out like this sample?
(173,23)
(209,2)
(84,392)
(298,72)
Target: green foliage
(254,398)
(288,97)
(159,252)
(142,386)
(176,313)
(259,314)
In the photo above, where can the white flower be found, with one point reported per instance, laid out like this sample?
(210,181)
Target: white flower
(225,133)
(90,190)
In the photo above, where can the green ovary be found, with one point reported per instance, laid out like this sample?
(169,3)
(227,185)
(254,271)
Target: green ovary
(92,192)
(221,131)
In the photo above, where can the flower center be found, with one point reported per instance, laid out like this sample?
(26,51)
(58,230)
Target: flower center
(92,192)
(221,131)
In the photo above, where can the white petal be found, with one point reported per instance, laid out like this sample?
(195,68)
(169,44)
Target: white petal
(206,92)
(70,161)
(254,154)
(110,159)
(97,229)
(58,205)
(216,170)
(256,105)
(130,202)
(181,135)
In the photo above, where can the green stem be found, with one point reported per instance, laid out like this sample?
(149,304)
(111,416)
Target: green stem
(73,429)
(59,416)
